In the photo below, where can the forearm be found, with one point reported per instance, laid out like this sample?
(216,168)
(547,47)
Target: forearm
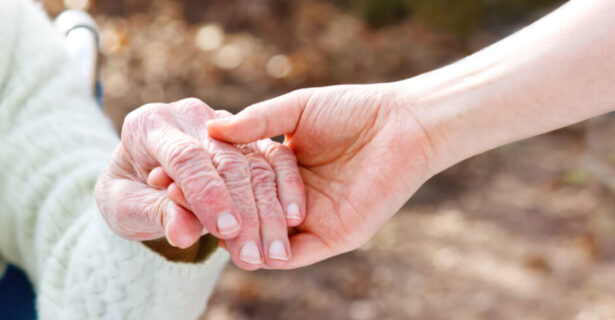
(556,72)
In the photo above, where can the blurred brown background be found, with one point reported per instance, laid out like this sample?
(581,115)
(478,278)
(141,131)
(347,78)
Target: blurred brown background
(523,232)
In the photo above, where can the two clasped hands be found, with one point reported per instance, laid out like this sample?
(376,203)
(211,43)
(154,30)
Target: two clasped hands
(353,154)
(183,169)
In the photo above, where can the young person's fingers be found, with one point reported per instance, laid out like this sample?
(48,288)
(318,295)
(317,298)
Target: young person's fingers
(267,119)
(307,249)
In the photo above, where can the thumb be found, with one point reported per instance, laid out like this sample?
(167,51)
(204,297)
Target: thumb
(182,228)
(267,119)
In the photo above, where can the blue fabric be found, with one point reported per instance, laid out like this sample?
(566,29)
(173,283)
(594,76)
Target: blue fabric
(99,93)
(16,296)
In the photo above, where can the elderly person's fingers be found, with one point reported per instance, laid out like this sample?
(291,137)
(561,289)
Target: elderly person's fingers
(172,150)
(290,187)
(153,138)
(289,183)
(176,194)
(158,178)
(246,249)
(233,167)
(188,163)
(273,229)
(182,228)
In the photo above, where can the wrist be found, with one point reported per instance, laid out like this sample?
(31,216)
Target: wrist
(431,117)
(533,82)
(468,107)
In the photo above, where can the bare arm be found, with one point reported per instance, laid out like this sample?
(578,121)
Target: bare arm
(365,149)
(556,72)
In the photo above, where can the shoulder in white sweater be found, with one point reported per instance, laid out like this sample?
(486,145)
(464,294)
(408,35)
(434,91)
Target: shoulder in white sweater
(54,142)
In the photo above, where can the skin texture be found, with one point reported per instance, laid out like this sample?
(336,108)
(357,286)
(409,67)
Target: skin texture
(365,149)
(169,178)
(352,143)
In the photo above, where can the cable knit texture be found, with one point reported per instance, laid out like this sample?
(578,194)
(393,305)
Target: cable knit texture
(54,142)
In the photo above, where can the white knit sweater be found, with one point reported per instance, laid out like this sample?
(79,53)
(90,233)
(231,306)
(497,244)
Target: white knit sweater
(54,142)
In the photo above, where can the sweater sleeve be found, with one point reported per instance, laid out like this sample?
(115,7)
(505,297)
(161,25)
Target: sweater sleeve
(54,142)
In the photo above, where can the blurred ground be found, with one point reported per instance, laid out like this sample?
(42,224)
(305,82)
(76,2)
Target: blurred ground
(523,232)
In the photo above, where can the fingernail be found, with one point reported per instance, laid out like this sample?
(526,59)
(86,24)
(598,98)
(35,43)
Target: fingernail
(277,251)
(227,224)
(249,253)
(166,228)
(292,211)
(184,239)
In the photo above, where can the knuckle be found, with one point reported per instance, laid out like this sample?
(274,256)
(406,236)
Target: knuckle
(141,119)
(273,219)
(265,189)
(145,112)
(268,206)
(131,125)
(262,174)
(242,194)
(280,153)
(250,222)
(181,154)
(192,106)
(245,208)
(203,189)
(223,114)
(232,167)
(229,161)
(191,103)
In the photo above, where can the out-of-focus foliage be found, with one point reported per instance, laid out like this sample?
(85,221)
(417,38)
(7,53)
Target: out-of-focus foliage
(379,13)
(459,16)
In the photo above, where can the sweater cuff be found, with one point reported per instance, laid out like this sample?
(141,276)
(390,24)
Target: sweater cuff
(110,276)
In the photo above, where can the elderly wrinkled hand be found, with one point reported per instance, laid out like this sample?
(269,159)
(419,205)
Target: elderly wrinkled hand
(169,178)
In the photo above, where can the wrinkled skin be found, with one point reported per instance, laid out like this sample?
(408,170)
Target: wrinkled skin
(362,155)
(169,178)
